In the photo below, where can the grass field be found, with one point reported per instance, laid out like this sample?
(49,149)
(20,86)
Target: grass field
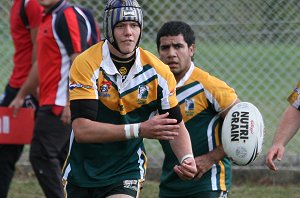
(27,187)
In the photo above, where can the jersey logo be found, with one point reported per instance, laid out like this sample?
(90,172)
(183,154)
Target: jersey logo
(128,13)
(189,106)
(123,71)
(104,88)
(131,184)
(142,94)
(77,85)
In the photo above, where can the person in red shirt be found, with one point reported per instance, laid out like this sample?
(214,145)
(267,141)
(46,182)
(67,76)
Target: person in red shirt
(63,34)
(23,34)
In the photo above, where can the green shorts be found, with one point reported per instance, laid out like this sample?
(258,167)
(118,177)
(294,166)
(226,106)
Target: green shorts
(126,187)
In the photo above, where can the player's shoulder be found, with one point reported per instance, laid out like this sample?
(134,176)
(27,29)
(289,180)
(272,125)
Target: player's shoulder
(207,80)
(150,60)
(91,56)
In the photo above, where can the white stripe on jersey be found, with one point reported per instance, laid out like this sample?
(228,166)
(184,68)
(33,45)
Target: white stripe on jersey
(165,103)
(212,100)
(210,132)
(62,89)
(139,79)
(190,91)
(94,80)
(68,168)
(141,163)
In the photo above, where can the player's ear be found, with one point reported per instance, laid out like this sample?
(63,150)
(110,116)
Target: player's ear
(192,50)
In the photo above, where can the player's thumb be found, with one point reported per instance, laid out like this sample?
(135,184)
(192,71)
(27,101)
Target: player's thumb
(280,155)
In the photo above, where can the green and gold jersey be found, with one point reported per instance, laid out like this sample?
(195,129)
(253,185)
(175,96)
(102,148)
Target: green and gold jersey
(294,98)
(149,86)
(201,98)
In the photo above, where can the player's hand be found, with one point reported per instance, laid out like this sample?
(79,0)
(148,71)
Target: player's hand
(66,115)
(16,104)
(203,163)
(159,127)
(187,169)
(275,152)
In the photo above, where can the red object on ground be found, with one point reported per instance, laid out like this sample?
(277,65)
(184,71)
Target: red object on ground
(16,130)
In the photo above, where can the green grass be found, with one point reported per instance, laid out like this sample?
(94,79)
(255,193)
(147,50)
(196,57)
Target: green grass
(27,187)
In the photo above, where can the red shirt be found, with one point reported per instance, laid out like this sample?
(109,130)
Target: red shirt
(58,38)
(22,39)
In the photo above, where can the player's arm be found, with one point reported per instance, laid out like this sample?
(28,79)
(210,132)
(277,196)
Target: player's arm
(206,161)
(224,113)
(34,14)
(66,113)
(181,146)
(30,86)
(88,130)
(31,83)
(287,128)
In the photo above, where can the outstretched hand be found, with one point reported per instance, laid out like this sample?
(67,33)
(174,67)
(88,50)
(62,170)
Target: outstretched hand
(275,152)
(159,127)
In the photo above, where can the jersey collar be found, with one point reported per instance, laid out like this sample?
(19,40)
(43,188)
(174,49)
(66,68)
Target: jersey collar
(186,76)
(56,7)
(109,67)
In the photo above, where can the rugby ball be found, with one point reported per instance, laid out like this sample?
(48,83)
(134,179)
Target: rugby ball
(243,133)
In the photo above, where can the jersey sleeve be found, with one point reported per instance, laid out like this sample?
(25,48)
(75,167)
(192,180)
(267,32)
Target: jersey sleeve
(72,30)
(34,13)
(294,98)
(167,84)
(220,95)
(83,82)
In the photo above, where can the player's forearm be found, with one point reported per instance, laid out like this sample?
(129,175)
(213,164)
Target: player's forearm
(31,83)
(217,154)
(181,145)
(88,131)
(288,126)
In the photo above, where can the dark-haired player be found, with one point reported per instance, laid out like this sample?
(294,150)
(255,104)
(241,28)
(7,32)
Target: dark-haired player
(204,101)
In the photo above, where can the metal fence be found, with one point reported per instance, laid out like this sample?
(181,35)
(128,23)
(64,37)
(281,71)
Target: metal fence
(253,45)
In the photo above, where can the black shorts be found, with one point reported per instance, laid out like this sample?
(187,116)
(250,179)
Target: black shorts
(126,187)
(208,194)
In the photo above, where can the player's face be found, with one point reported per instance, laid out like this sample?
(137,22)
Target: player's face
(47,4)
(126,35)
(174,51)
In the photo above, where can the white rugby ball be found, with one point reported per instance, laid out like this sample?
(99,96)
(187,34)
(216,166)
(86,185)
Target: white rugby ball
(243,133)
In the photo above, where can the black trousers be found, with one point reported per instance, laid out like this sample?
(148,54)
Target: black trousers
(10,153)
(48,151)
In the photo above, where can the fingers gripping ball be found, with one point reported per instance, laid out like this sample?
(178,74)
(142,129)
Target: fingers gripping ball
(243,133)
